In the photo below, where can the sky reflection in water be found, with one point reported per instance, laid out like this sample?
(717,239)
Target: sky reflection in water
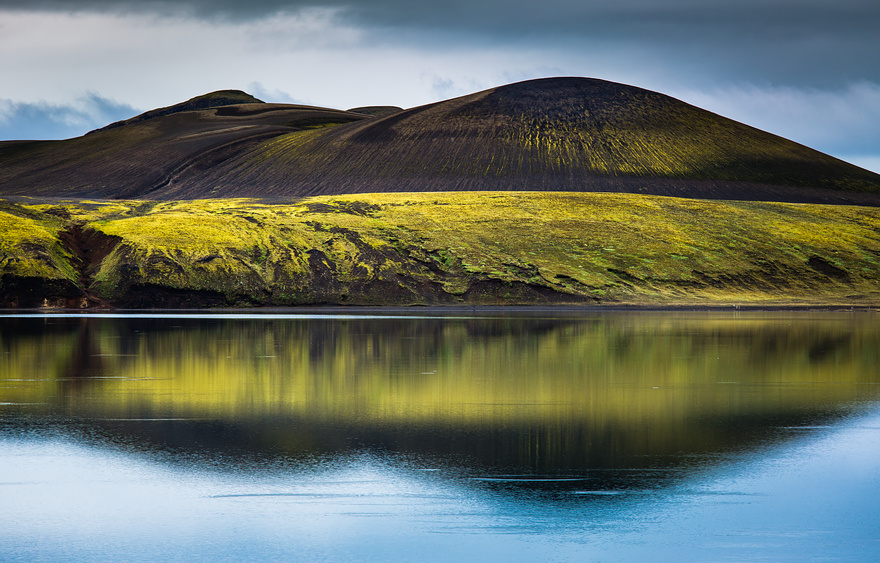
(418,439)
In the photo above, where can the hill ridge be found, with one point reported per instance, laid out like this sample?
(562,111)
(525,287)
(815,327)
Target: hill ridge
(205,101)
(550,134)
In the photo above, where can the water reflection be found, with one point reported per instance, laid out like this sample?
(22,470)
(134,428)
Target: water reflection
(606,436)
(510,394)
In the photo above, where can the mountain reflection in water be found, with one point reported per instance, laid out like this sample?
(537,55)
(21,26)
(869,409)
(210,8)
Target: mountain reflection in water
(511,395)
(573,437)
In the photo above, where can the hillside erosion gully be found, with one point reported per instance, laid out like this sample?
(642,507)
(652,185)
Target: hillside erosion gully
(87,248)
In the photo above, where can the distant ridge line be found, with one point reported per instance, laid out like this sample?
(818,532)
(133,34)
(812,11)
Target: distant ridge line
(206,101)
(552,134)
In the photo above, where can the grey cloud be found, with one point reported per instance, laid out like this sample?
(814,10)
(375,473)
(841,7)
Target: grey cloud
(787,18)
(41,120)
(803,42)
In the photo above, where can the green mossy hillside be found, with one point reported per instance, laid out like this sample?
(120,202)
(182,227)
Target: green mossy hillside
(34,263)
(30,247)
(471,248)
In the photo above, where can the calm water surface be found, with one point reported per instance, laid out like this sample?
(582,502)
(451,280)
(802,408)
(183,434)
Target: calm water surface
(563,437)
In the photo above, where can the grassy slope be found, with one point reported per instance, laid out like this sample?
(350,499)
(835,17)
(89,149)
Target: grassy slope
(30,246)
(483,247)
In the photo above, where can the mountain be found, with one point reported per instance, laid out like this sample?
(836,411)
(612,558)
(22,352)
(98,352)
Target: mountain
(140,157)
(207,101)
(558,134)
(228,201)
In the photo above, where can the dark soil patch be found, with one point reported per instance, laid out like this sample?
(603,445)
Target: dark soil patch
(360,208)
(30,292)
(519,293)
(827,268)
(626,276)
(89,248)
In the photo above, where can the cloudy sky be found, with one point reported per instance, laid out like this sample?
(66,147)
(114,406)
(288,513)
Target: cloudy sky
(804,69)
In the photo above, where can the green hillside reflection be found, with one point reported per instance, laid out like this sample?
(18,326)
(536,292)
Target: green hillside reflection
(553,395)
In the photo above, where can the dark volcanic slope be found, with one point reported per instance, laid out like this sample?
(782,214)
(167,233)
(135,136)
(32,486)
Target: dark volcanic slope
(571,134)
(143,156)
(212,100)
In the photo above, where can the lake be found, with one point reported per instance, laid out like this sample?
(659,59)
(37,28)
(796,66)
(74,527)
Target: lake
(549,435)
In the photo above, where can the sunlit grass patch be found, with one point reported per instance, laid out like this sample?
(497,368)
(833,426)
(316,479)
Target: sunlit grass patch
(408,248)
(31,248)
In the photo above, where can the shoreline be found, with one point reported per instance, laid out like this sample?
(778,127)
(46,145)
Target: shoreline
(435,310)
